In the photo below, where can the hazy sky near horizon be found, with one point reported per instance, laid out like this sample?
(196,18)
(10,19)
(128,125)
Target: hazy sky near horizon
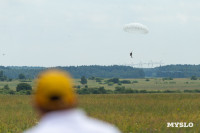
(90,32)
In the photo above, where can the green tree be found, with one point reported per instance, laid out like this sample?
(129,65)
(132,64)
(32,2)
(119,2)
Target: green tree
(1,73)
(193,78)
(102,90)
(12,92)
(2,76)
(6,87)
(114,80)
(83,80)
(23,86)
(21,76)
(125,82)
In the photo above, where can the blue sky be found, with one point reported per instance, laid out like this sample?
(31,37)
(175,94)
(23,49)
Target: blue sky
(90,32)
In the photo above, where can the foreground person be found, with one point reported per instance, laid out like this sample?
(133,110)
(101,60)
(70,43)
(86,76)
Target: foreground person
(56,102)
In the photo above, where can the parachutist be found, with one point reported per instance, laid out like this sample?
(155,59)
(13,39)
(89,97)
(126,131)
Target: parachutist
(131,55)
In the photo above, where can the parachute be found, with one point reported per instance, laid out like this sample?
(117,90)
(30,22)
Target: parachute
(135,28)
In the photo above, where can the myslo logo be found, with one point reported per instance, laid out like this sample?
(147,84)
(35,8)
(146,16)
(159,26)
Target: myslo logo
(179,124)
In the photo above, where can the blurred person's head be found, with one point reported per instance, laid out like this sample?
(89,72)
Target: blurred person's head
(54,91)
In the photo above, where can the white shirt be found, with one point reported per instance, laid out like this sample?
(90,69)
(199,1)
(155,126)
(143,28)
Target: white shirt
(71,121)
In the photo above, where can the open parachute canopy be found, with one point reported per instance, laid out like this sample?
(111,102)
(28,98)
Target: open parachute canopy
(135,28)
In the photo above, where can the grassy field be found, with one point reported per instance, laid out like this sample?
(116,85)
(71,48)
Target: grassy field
(138,113)
(153,84)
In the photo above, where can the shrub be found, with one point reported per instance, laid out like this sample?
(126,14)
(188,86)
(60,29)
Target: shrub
(167,78)
(188,91)
(91,78)
(147,79)
(129,90)
(98,79)
(120,89)
(193,78)
(110,83)
(143,91)
(83,80)
(12,92)
(21,76)
(6,87)
(135,81)
(114,80)
(23,86)
(172,82)
(119,83)
(125,81)
(102,90)
(77,86)
(9,80)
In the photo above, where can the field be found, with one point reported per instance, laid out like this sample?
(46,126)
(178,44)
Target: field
(130,113)
(152,84)
(142,84)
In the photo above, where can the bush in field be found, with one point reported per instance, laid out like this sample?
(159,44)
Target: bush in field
(168,91)
(21,76)
(23,87)
(188,91)
(91,78)
(120,89)
(147,79)
(135,81)
(125,82)
(77,86)
(98,79)
(102,90)
(197,91)
(86,86)
(167,78)
(110,83)
(143,91)
(172,82)
(12,92)
(6,87)
(129,90)
(99,90)
(83,80)
(114,80)
(9,80)
(193,78)
(119,83)
(2,76)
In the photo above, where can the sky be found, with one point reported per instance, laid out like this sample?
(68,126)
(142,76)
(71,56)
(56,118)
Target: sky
(90,32)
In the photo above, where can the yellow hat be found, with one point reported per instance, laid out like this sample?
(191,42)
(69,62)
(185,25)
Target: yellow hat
(54,91)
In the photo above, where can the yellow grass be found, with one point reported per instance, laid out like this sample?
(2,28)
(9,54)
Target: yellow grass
(130,112)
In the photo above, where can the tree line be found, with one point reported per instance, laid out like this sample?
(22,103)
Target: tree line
(78,71)
(173,71)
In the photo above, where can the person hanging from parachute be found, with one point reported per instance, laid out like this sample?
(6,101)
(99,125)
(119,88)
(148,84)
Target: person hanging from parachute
(131,54)
(135,28)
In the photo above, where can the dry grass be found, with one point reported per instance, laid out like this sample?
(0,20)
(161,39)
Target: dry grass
(130,113)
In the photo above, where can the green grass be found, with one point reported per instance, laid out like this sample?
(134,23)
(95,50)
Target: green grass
(13,84)
(129,112)
(153,84)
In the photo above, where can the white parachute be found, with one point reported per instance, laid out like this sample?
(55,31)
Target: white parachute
(135,28)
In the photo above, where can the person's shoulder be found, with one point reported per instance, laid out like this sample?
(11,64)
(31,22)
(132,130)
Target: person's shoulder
(101,126)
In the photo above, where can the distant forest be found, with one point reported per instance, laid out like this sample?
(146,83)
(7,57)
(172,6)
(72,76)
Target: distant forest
(13,72)
(174,71)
